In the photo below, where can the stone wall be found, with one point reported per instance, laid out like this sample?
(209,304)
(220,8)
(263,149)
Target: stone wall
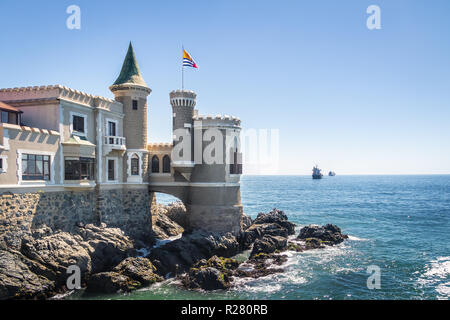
(128,209)
(23,213)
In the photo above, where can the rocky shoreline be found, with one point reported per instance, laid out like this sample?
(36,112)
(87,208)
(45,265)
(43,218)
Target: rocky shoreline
(109,261)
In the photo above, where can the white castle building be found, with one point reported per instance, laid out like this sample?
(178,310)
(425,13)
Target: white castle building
(69,157)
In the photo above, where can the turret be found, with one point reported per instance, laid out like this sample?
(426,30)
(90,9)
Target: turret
(183,103)
(131,90)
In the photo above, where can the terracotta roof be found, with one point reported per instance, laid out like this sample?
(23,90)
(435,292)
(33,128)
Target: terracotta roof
(5,106)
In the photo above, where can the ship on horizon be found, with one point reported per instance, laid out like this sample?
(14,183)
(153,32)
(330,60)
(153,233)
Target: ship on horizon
(331,174)
(317,173)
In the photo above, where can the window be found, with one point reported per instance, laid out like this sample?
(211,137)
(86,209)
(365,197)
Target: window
(236,165)
(35,167)
(1,164)
(78,124)
(155,164)
(166,164)
(111,170)
(10,117)
(5,116)
(79,169)
(111,131)
(135,104)
(135,165)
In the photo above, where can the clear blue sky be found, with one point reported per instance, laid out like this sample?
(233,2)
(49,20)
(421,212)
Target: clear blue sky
(350,99)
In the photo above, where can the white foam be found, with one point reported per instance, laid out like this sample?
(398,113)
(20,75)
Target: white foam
(437,271)
(353,238)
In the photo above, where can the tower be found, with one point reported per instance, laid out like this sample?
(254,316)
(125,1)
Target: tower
(183,103)
(131,90)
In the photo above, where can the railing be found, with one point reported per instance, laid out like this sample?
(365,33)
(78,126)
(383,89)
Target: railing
(114,141)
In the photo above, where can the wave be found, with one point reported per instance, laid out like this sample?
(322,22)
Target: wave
(437,273)
(353,238)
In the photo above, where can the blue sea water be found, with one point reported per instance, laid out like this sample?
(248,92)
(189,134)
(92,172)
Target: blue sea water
(399,223)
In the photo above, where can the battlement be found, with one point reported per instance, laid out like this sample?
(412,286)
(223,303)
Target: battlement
(159,146)
(218,121)
(183,98)
(34,94)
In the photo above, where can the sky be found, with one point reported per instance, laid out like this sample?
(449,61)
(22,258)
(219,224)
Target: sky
(350,99)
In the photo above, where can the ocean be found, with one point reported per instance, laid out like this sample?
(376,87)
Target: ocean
(400,224)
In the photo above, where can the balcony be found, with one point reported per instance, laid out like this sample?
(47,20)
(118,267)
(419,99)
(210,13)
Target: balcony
(111,143)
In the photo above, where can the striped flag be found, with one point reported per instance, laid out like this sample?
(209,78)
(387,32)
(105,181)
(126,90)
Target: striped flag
(188,61)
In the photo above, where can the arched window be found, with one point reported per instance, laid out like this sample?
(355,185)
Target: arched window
(155,164)
(166,164)
(135,165)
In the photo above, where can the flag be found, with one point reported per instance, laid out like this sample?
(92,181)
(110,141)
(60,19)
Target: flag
(188,61)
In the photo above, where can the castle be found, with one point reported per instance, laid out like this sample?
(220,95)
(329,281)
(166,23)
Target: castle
(68,157)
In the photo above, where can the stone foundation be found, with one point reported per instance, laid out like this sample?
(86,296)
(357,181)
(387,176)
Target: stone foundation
(21,213)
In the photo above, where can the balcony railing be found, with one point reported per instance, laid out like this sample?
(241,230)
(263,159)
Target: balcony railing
(114,141)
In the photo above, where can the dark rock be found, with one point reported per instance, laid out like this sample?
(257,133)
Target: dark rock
(163,227)
(246,221)
(22,278)
(273,223)
(111,282)
(269,244)
(219,263)
(278,217)
(179,255)
(106,246)
(328,234)
(139,269)
(177,212)
(206,278)
(57,252)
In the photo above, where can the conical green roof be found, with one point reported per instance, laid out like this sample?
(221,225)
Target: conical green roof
(130,70)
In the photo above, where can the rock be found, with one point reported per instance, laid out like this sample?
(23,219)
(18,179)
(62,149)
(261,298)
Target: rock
(246,221)
(313,243)
(139,269)
(269,244)
(179,255)
(261,265)
(206,278)
(22,278)
(111,282)
(219,263)
(106,246)
(177,212)
(163,227)
(273,223)
(57,252)
(328,234)
(212,274)
(278,217)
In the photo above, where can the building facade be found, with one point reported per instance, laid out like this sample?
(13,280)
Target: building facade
(68,157)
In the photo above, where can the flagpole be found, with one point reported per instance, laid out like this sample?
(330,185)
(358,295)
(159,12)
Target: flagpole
(182,69)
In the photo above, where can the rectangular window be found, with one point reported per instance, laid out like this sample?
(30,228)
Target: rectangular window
(111,173)
(81,169)
(78,124)
(35,167)
(111,131)
(4,117)
(135,104)
(1,164)
(236,166)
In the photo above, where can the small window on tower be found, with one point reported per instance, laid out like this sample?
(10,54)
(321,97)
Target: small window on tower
(135,104)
